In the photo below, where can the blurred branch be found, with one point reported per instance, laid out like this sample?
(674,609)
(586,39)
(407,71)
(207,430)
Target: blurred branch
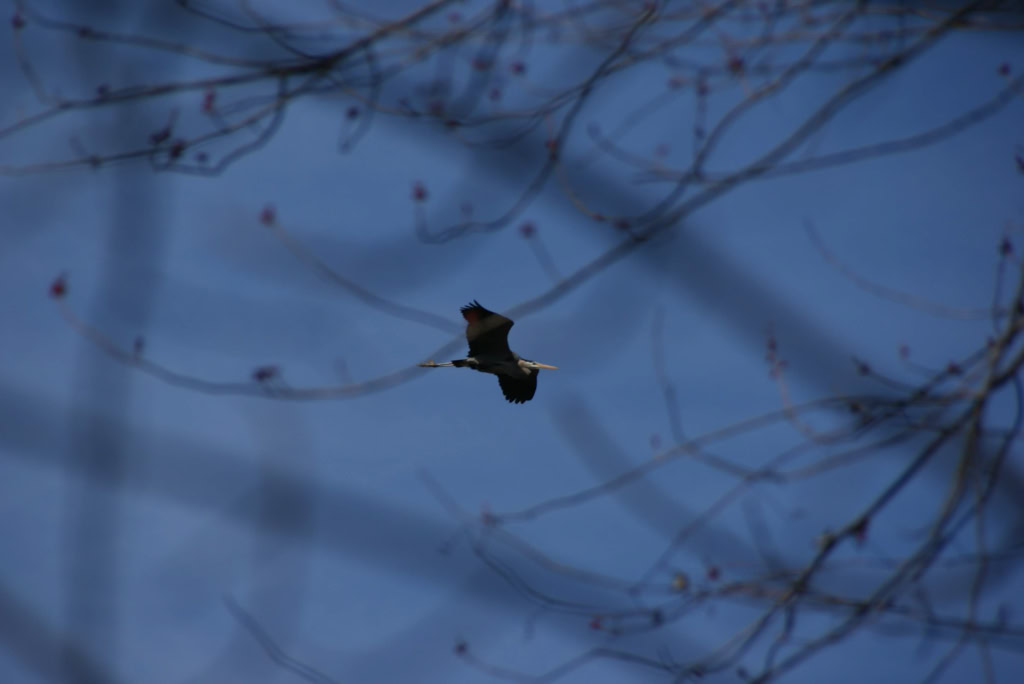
(892,294)
(261,385)
(371,299)
(271,648)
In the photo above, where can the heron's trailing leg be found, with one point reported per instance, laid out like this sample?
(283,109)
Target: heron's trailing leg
(459,362)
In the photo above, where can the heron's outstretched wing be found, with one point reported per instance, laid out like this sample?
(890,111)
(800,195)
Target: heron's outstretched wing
(518,390)
(486,332)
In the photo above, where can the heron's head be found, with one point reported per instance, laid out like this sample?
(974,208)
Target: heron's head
(533,365)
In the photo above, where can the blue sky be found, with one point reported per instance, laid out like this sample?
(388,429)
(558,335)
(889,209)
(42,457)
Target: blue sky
(133,512)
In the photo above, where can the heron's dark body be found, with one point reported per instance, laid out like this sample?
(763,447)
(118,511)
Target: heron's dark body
(518,384)
(508,365)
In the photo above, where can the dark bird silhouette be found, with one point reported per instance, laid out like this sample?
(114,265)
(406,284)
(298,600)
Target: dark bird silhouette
(487,334)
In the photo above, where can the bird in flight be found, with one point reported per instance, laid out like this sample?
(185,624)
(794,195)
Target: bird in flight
(487,334)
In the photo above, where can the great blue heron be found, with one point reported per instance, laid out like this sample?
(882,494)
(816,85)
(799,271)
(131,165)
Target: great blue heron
(487,334)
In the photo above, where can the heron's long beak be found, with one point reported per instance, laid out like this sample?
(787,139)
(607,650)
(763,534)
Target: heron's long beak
(544,365)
